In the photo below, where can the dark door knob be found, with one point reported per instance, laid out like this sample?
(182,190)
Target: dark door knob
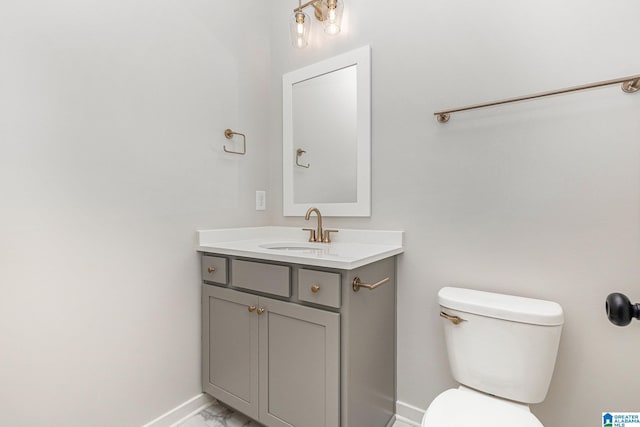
(620,311)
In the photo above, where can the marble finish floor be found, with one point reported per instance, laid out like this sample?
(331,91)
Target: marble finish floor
(218,415)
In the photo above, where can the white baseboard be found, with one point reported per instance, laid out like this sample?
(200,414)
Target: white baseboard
(402,422)
(183,411)
(391,421)
(409,414)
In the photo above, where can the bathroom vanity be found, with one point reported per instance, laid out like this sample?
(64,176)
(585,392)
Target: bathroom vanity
(300,334)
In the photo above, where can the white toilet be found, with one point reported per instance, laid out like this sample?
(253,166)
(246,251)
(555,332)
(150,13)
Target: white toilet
(502,350)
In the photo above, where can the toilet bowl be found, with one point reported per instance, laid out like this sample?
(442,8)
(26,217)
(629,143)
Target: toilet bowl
(502,351)
(464,407)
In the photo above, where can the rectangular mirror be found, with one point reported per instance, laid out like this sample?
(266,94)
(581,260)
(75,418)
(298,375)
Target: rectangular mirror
(327,136)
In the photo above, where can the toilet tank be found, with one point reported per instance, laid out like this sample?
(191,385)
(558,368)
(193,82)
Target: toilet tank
(505,345)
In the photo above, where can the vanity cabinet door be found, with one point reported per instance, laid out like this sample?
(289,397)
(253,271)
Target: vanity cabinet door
(230,347)
(299,366)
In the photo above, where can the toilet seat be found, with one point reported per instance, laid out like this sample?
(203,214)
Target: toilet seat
(463,407)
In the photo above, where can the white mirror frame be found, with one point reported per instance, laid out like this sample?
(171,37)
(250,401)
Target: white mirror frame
(360,57)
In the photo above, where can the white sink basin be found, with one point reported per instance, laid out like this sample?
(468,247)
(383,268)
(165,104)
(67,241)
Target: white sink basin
(291,246)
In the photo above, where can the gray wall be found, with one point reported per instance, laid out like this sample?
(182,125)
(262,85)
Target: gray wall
(111,132)
(540,199)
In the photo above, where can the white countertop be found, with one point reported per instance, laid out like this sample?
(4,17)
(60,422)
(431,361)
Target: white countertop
(349,249)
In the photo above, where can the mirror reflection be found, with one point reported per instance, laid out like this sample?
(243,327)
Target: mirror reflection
(325,136)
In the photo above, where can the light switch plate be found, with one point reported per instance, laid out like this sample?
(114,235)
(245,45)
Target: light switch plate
(261,200)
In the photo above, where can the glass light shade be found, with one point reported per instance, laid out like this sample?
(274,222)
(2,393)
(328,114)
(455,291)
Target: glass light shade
(332,16)
(300,25)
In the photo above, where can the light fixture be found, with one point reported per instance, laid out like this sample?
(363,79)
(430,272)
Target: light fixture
(329,12)
(300,24)
(332,16)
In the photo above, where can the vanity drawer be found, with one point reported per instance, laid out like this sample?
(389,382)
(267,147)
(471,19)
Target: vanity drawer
(214,269)
(319,287)
(267,278)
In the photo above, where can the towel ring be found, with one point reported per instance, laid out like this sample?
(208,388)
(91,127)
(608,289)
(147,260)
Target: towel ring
(299,153)
(228,133)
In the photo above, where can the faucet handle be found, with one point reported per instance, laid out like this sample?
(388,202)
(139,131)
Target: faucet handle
(327,237)
(312,234)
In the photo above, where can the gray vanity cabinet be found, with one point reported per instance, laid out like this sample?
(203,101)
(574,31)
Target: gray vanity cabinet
(295,350)
(307,351)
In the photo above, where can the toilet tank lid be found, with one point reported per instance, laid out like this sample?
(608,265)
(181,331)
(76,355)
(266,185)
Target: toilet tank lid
(501,306)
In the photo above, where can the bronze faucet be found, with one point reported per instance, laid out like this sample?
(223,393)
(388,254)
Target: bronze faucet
(317,235)
(314,235)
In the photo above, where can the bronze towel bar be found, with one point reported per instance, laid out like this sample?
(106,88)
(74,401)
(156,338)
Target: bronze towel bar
(629,85)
